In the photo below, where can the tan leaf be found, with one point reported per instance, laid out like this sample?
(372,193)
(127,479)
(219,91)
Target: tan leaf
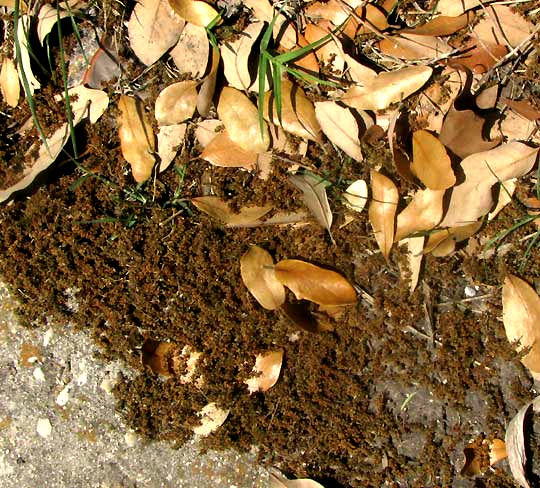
(340,126)
(524,108)
(515,127)
(314,190)
(46,20)
(423,213)
(136,138)
(443,242)
(191,53)
(442,25)
(333,10)
(382,210)
(157,356)
(415,256)
(330,52)
(462,131)
(153,28)
(194,11)
(414,46)
(431,164)
(241,119)
(473,197)
(297,113)
(386,88)
(497,451)
(257,271)
(313,283)
(9,83)
(176,103)
(267,368)
(169,138)
(356,195)
(487,98)
(222,151)
(220,210)
(23,27)
(212,418)
(478,56)
(206,130)
(453,8)
(278,480)
(358,72)
(521,318)
(501,25)
(506,190)
(236,54)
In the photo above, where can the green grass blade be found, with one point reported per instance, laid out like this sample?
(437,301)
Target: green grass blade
(304,76)
(263,68)
(278,100)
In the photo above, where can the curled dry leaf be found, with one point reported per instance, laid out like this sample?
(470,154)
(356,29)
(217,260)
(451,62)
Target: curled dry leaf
(442,25)
(315,198)
(267,368)
(9,82)
(235,56)
(379,92)
(220,210)
(158,356)
(212,418)
(473,198)
(431,164)
(313,283)
(257,271)
(191,53)
(519,428)
(169,138)
(241,119)
(297,112)
(176,103)
(222,151)
(46,19)
(443,242)
(481,454)
(382,210)
(153,28)
(340,126)
(23,27)
(356,195)
(208,87)
(521,318)
(194,11)
(136,138)
(423,213)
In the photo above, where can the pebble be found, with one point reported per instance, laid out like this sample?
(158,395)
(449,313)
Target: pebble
(44,428)
(63,396)
(38,374)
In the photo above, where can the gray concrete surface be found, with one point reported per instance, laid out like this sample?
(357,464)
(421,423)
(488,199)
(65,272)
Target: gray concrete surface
(58,427)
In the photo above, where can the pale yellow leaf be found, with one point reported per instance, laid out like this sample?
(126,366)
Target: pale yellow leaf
(473,197)
(431,163)
(521,318)
(191,53)
(257,271)
(176,103)
(356,195)
(297,112)
(340,126)
(222,151)
(382,210)
(153,28)
(212,418)
(9,82)
(169,138)
(267,368)
(313,283)
(423,213)
(220,210)
(241,119)
(194,11)
(137,140)
(235,56)
(386,88)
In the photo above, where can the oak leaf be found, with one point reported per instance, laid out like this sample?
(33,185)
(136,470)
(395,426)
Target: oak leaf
(382,210)
(423,213)
(220,210)
(176,103)
(9,83)
(267,368)
(431,164)
(194,11)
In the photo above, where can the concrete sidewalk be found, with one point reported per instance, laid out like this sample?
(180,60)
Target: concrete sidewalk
(58,426)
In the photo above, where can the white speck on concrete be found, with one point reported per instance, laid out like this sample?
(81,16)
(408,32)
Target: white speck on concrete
(63,397)
(5,467)
(131,438)
(47,337)
(44,428)
(38,374)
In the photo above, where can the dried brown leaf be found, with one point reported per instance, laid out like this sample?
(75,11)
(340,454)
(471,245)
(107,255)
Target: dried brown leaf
(453,8)
(222,151)
(473,197)
(431,164)
(443,243)
(206,131)
(9,83)
(169,138)
(415,256)
(191,53)
(423,213)
(297,113)
(382,210)
(442,25)
(153,28)
(340,126)
(523,108)
(521,318)
(315,198)
(414,46)
(356,195)
(278,480)
(386,88)
(257,271)
(137,140)
(194,11)
(313,283)
(176,103)
(501,25)
(241,119)
(212,418)
(267,368)
(479,57)
(331,52)
(220,210)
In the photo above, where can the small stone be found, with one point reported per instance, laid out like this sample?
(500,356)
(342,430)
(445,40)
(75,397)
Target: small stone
(470,291)
(131,438)
(63,396)
(44,428)
(47,337)
(38,374)
(107,385)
